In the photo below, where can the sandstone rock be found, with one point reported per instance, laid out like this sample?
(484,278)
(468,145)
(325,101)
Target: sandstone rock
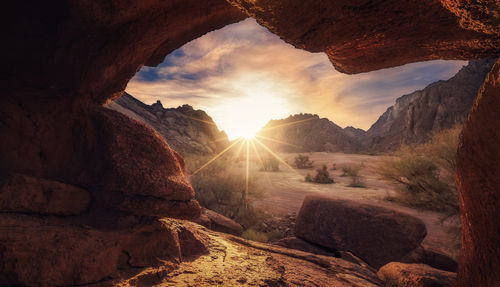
(370,43)
(478,167)
(186,130)
(377,235)
(26,194)
(233,261)
(43,251)
(415,275)
(431,258)
(217,222)
(302,245)
(417,116)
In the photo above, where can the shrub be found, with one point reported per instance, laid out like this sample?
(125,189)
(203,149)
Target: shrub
(302,161)
(353,173)
(322,176)
(221,188)
(424,175)
(252,234)
(270,164)
(334,166)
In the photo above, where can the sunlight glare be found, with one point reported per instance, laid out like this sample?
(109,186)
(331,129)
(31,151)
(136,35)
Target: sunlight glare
(257,103)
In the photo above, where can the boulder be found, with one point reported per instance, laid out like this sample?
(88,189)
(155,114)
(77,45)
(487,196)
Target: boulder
(431,258)
(415,275)
(218,222)
(377,235)
(47,251)
(27,194)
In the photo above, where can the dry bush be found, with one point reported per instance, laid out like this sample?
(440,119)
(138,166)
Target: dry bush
(322,176)
(424,175)
(221,188)
(302,161)
(352,171)
(270,164)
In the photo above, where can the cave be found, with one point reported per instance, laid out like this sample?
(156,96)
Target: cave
(84,188)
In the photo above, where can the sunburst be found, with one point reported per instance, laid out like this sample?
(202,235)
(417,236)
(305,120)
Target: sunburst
(244,143)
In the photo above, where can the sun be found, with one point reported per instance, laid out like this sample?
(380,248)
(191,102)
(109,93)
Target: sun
(245,115)
(248,135)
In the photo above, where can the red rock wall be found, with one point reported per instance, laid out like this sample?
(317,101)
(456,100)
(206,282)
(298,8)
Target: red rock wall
(478,179)
(366,35)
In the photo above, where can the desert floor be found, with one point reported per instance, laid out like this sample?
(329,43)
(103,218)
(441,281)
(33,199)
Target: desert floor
(285,190)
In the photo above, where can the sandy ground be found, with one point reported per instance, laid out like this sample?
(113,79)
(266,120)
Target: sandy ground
(285,190)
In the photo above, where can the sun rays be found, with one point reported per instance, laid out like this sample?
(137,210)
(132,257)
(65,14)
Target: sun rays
(248,144)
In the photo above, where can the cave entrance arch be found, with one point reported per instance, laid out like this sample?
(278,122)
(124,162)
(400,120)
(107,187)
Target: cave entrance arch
(71,57)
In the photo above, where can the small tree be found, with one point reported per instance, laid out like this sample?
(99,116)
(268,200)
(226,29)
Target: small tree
(322,176)
(303,161)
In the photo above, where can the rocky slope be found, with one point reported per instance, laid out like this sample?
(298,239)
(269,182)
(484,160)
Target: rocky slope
(416,116)
(306,133)
(186,130)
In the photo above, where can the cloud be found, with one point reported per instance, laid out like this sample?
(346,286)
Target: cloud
(245,61)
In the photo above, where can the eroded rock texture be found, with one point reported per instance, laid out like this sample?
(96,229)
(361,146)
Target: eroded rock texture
(363,35)
(478,180)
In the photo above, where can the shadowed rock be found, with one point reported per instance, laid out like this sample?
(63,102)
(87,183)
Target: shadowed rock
(377,235)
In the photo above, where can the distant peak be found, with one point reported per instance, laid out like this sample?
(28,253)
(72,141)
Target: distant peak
(157,104)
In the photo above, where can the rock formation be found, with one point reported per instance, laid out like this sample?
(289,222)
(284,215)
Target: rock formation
(382,34)
(478,167)
(306,133)
(415,275)
(417,116)
(186,130)
(377,235)
(64,59)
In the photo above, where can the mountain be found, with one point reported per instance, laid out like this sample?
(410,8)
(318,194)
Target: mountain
(307,133)
(416,116)
(187,131)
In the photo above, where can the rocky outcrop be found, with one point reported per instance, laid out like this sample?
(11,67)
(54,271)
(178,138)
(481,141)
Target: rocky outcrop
(26,194)
(217,222)
(417,116)
(186,130)
(478,167)
(382,34)
(305,133)
(232,261)
(415,275)
(42,251)
(376,234)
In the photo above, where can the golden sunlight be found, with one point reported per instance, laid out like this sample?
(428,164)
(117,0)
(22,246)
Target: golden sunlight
(245,115)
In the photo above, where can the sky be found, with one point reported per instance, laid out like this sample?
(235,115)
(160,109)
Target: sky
(243,76)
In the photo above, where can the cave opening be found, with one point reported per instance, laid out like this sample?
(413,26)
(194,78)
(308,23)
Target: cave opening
(68,163)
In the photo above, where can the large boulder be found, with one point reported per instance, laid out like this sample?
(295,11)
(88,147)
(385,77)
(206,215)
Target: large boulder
(377,235)
(42,251)
(415,275)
